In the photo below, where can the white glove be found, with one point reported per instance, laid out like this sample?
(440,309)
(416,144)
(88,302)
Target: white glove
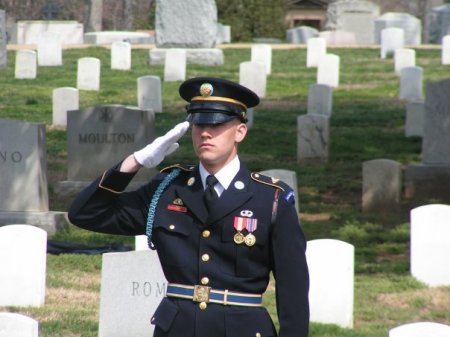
(154,153)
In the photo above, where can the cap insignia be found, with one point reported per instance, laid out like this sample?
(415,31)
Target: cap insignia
(206,89)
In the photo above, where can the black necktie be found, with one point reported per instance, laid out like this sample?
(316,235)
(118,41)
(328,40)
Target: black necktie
(210,193)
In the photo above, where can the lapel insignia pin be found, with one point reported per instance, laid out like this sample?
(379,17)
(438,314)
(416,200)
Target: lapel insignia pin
(239,185)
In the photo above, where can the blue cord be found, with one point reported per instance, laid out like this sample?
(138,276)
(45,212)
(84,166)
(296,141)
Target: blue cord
(154,202)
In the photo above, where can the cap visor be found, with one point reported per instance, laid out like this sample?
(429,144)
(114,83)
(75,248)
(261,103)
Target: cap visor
(209,118)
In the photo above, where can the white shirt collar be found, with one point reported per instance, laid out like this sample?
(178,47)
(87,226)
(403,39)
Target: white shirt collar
(225,175)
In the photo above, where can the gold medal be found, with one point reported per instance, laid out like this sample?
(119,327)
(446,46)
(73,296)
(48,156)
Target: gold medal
(238,238)
(250,240)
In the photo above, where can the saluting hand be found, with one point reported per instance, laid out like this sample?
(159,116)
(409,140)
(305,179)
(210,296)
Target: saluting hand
(154,153)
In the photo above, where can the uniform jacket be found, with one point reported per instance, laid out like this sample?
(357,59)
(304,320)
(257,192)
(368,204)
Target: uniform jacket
(183,233)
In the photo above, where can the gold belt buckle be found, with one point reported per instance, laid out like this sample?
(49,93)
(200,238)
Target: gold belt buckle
(201,293)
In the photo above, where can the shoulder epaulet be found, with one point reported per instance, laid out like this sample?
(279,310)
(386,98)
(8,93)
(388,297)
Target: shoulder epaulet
(187,168)
(266,180)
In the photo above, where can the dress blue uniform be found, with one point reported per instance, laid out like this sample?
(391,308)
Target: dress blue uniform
(217,263)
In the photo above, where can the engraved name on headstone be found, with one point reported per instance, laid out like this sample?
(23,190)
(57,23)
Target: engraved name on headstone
(99,137)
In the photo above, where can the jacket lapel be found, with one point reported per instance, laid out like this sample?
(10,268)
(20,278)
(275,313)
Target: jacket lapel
(191,192)
(236,195)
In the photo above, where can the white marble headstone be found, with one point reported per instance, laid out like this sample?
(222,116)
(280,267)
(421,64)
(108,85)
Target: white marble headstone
(331,273)
(253,76)
(391,40)
(328,70)
(320,99)
(64,99)
(26,64)
(421,329)
(445,50)
(316,49)
(18,325)
(382,185)
(175,65)
(262,53)
(121,55)
(404,57)
(132,280)
(23,263)
(411,83)
(49,50)
(149,93)
(88,74)
(430,248)
(313,137)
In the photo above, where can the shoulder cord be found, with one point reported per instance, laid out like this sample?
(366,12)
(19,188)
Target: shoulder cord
(275,205)
(154,202)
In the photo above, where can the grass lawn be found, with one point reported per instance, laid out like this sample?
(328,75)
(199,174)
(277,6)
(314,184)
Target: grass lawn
(367,123)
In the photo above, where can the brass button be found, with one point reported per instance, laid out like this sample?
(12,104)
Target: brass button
(172,227)
(205,257)
(203,305)
(258,334)
(206,233)
(204,281)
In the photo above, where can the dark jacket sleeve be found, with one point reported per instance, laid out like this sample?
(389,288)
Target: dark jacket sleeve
(104,207)
(290,271)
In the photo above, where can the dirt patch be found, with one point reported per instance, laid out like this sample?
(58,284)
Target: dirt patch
(315,217)
(357,86)
(437,299)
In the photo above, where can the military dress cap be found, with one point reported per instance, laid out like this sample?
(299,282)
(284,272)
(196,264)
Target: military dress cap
(215,100)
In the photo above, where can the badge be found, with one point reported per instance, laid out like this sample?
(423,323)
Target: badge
(191,181)
(239,185)
(247,213)
(250,239)
(178,201)
(206,89)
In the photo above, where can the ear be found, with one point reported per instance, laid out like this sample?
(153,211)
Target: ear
(241,131)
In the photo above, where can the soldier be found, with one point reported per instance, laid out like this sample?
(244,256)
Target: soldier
(219,230)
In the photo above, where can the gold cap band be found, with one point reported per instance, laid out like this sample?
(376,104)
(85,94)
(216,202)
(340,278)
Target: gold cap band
(218,99)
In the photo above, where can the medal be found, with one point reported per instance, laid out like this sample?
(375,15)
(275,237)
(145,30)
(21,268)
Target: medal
(238,225)
(250,239)
(251,226)
(238,238)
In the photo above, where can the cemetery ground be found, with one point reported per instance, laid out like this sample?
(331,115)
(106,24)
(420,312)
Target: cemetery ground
(367,123)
